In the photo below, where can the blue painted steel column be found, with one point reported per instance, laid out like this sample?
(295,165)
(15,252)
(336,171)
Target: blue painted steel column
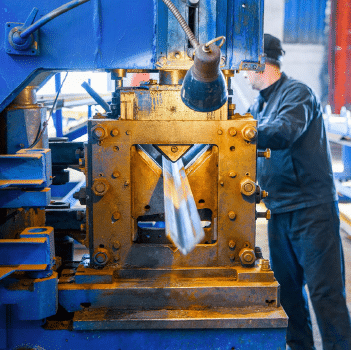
(57,116)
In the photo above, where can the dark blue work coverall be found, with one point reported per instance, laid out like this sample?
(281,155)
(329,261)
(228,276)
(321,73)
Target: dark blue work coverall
(303,233)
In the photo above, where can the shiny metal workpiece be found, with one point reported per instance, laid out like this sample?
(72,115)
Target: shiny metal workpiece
(183,224)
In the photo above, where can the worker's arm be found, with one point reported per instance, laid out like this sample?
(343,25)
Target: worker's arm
(293,117)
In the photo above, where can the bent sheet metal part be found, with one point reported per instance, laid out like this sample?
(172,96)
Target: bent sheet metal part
(183,224)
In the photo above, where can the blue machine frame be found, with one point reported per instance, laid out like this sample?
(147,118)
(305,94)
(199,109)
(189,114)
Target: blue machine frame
(98,35)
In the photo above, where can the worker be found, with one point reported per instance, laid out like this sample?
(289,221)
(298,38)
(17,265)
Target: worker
(303,232)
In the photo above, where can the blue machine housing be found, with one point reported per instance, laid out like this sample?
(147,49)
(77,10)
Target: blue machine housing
(106,34)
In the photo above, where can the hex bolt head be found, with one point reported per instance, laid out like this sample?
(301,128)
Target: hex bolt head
(100,257)
(249,133)
(232,131)
(116,245)
(231,215)
(114,132)
(265,265)
(247,256)
(100,187)
(248,187)
(174,149)
(232,174)
(264,194)
(99,132)
(231,244)
(116,215)
(266,153)
(220,132)
(232,257)
(116,174)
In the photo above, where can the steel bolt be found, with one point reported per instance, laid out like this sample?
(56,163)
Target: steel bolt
(100,257)
(266,214)
(128,132)
(232,131)
(266,153)
(247,256)
(174,149)
(249,133)
(264,194)
(265,266)
(81,162)
(248,187)
(82,227)
(232,174)
(231,244)
(114,132)
(116,174)
(177,55)
(116,245)
(99,133)
(231,215)
(126,183)
(220,132)
(116,215)
(232,257)
(100,187)
(221,183)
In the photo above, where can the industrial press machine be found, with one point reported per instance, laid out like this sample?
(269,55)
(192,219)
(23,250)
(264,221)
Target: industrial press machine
(169,207)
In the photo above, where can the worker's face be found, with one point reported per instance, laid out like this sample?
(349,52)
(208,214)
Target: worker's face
(255,79)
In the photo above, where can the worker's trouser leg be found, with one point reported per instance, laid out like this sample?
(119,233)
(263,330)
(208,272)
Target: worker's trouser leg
(305,247)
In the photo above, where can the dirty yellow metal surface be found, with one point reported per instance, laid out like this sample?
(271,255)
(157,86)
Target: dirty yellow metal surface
(219,282)
(162,102)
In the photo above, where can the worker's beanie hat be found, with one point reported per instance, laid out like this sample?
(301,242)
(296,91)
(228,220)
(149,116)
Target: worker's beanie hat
(273,49)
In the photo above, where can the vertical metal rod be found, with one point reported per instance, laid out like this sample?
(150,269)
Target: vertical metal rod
(183,223)
(57,115)
(89,106)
